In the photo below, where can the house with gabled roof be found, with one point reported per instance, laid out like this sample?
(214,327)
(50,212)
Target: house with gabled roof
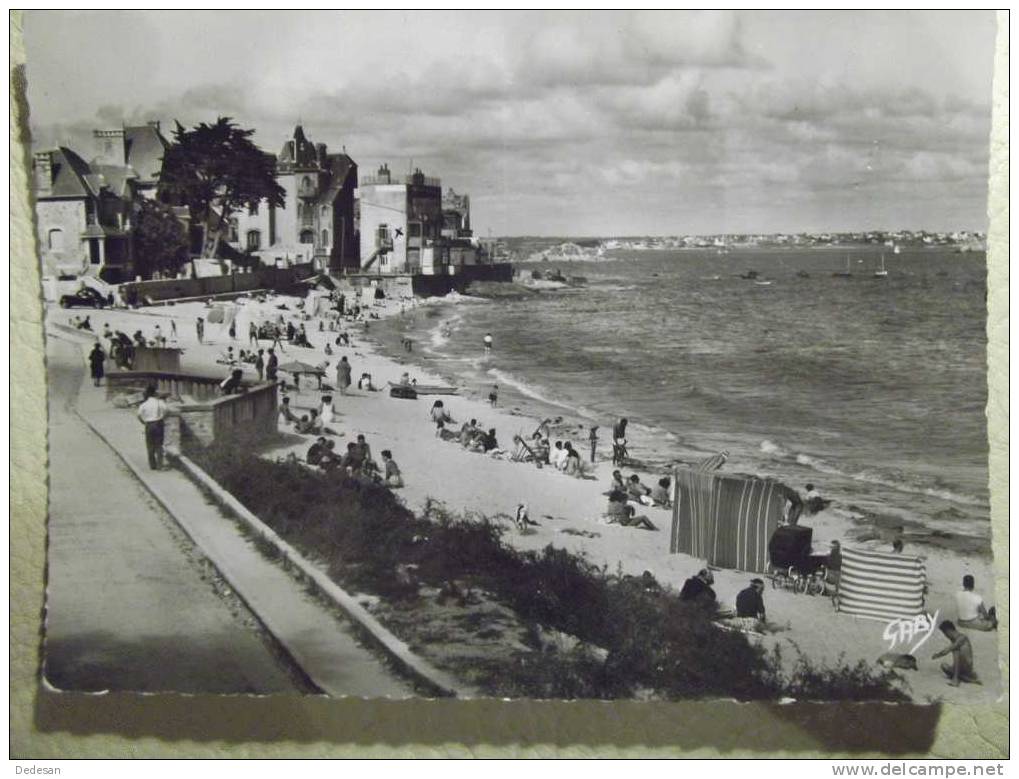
(317,223)
(83,209)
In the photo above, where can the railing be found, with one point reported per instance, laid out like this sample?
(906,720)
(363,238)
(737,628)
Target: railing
(395,178)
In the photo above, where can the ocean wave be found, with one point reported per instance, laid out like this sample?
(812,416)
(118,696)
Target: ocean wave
(898,482)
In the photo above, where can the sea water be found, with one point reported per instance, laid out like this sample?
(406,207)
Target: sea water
(873,389)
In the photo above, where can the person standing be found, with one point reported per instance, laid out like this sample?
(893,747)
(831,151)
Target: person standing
(271,366)
(253,334)
(488,343)
(343,375)
(152,413)
(260,364)
(493,396)
(173,329)
(593,438)
(619,452)
(96,360)
(200,329)
(233,329)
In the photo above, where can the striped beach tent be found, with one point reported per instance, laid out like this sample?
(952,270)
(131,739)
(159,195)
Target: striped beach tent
(725,520)
(881,585)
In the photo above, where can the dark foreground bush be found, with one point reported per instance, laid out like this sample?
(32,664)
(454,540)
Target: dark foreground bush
(651,642)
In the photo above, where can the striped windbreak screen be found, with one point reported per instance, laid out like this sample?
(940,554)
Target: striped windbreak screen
(725,520)
(881,585)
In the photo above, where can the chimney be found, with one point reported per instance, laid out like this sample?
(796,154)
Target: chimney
(42,167)
(109,147)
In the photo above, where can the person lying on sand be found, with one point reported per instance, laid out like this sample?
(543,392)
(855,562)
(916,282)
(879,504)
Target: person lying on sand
(443,433)
(620,512)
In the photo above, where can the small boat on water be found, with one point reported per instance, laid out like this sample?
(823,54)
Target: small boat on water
(802,274)
(763,283)
(881,273)
(844,274)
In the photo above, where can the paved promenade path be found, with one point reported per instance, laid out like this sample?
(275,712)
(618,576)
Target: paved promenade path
(132,604)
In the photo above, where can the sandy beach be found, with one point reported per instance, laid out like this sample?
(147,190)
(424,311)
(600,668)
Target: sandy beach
(568,509)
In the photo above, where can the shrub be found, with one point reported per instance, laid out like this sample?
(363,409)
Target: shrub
(369,540)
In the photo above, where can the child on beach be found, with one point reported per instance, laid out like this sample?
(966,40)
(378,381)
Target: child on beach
(493,396)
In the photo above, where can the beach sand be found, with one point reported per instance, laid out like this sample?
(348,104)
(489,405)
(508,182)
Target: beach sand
(569,510)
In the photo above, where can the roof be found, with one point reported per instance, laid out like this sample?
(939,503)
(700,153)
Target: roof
(69,172)
(144,148)
(339,167)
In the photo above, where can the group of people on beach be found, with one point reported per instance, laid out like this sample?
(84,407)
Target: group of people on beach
(471,435)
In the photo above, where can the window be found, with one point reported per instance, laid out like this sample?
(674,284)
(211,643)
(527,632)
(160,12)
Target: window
(55,240)
(254,240)
(234,235)
(414,230)
(382,236)
(307,236)
(325,237)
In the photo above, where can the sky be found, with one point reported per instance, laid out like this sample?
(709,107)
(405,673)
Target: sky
(570,123)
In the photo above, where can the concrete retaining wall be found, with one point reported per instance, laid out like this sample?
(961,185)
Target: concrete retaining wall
(279,279)
(250,416)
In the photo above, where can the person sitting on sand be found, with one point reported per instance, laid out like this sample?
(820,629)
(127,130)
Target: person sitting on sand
(697,589)
(620,512)
(364,451)
(660,493)
(392,475)
(329,349)
(467,432)
(638,491)
(559,456)
(617,482)
(351,461)
(961,668)
(286,412)
(328,459)
(365,382)
(489,442)
(303,425)
(439,413)
(973,613)
(326,411)
(315,451)
(750,602)
(314,423)
(540,448)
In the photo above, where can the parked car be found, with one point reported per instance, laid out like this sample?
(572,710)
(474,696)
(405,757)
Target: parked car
(86,297)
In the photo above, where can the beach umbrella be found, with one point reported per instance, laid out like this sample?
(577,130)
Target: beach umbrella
(296,367)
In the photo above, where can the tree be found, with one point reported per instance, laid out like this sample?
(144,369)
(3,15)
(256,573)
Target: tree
(215,170)
(160,239)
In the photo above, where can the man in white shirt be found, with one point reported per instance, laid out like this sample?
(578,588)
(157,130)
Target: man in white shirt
(152,412)
(973,613)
